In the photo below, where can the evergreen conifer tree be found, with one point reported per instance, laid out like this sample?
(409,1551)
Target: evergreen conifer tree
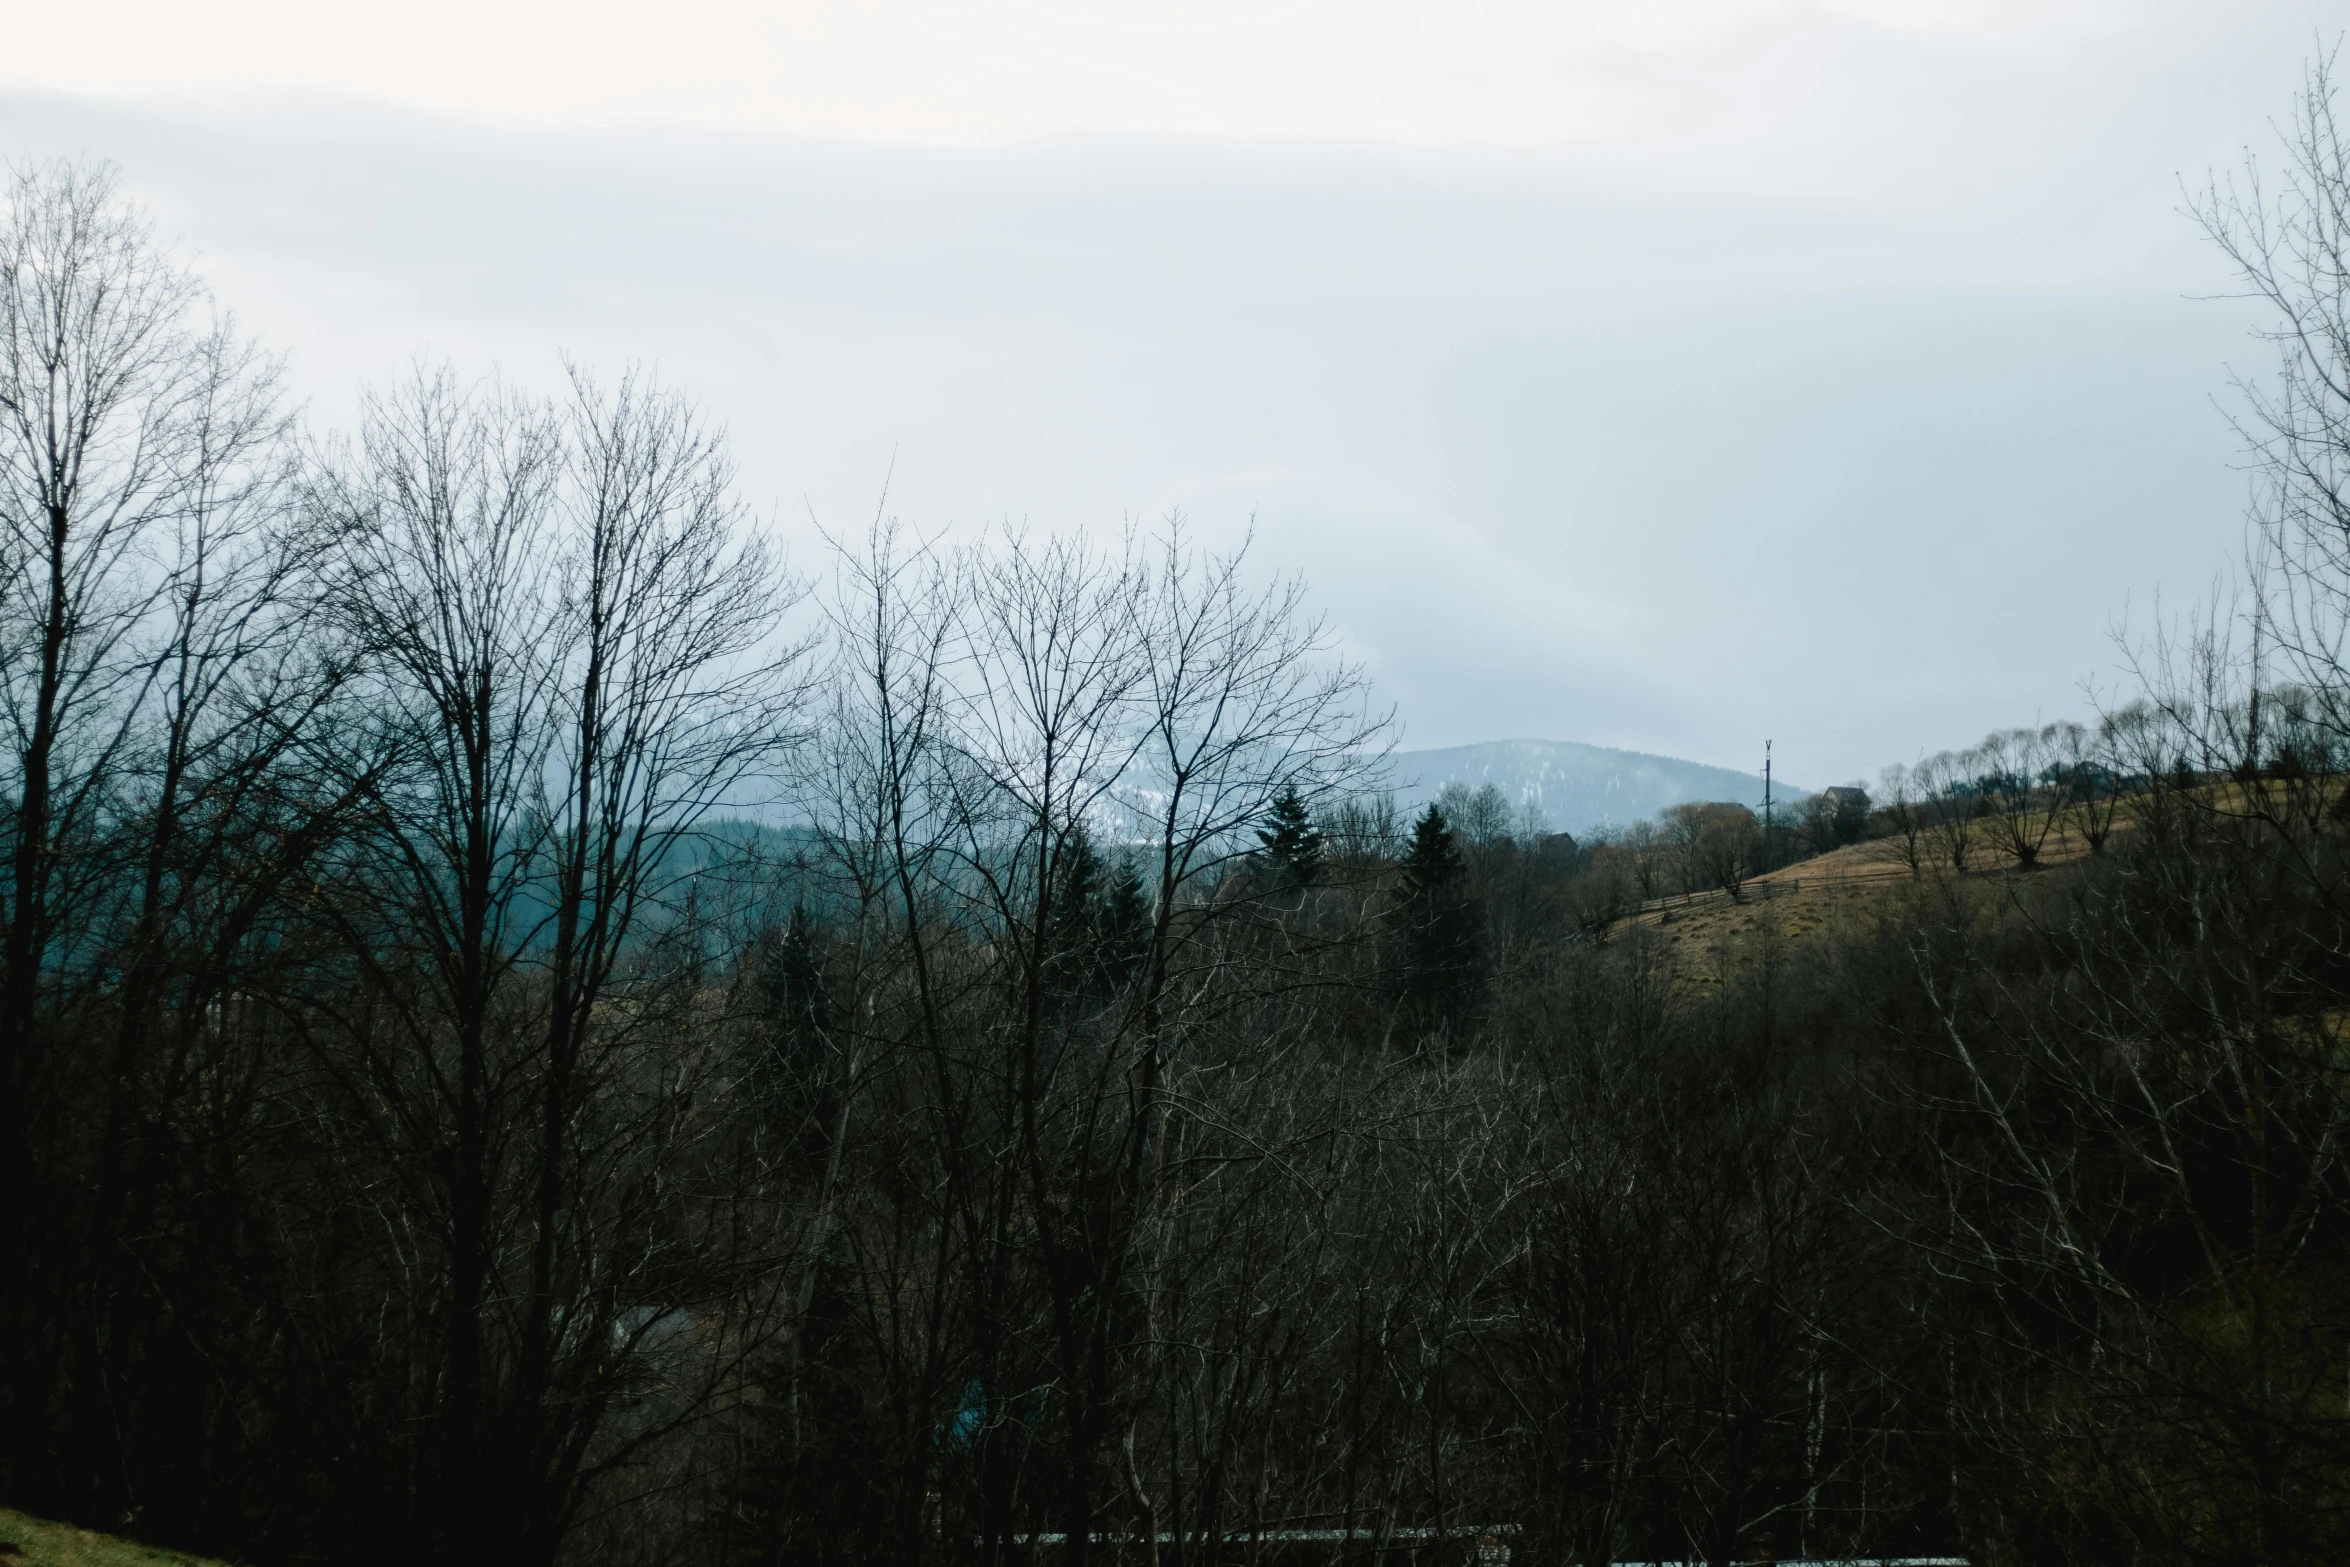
(1439,919)
(1101,916)
(801,1087)
(1434,861)
(1292,843)
(1122,922)
(1076,901)
(793,977)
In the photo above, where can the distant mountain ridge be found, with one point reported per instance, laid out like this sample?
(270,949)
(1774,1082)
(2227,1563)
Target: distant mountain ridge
(1577,787)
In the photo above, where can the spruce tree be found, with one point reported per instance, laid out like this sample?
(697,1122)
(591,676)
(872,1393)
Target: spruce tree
(792,974)
(1077,873)
(1439,919)
(1122,921)
(1434,861)
(1292,844)
(1101,915)
(801,1087)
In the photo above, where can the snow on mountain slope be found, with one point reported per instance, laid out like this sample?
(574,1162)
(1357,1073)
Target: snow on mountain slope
(1576,787)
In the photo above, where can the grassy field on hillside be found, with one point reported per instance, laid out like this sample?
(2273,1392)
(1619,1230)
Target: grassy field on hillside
(1709,934)
(34,1542)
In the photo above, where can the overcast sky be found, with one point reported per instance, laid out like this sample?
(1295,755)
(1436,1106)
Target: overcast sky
(1659,373)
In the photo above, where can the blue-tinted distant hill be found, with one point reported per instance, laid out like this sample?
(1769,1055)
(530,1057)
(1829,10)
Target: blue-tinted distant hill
(1577,787)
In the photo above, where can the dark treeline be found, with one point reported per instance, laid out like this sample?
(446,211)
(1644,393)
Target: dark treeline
(1084,1123)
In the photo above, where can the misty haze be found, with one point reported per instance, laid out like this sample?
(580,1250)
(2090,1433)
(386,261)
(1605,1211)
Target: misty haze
(1328,783)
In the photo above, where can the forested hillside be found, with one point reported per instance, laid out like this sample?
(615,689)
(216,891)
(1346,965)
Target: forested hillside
(1105,1127)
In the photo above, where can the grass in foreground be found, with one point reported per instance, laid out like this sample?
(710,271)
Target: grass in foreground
(33,1542)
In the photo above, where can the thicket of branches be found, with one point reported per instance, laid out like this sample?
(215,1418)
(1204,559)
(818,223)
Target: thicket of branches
(529,1032)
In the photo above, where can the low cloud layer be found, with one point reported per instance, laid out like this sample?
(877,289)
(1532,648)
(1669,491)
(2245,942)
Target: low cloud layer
(1564,453)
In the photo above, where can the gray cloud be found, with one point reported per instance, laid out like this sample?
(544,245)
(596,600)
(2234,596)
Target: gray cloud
(1652,467)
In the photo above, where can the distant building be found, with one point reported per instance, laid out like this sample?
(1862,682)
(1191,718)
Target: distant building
(1848,808)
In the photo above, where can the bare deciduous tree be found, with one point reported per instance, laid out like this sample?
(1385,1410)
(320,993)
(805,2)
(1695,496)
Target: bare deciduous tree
(141,443)
(2026,803)
(1904,810)
(568,643)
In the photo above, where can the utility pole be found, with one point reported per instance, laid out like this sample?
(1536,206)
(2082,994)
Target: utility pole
(1766,854)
